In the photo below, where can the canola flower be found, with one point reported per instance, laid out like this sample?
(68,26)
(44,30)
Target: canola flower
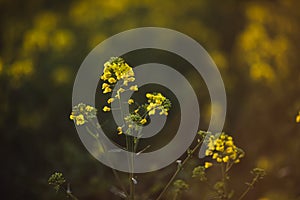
(157,102)
(298,118)
(223,149)
(207,165)
(120,130)
(106,109)
(130,101)
(116,69)
(82,113)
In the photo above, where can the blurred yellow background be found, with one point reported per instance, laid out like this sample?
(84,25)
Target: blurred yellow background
(255,45)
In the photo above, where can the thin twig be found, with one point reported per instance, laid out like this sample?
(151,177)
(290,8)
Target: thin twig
(250,185)
(179,168)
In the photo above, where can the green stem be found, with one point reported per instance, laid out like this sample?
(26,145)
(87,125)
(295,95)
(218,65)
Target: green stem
(228,166)
(175,195)
(100,145)
(179,168)
(251,185)
(132,188)
(224,180)
(72,196)
(69,193)
(128,147)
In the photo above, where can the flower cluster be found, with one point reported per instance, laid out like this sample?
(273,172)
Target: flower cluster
(259,173)
(199,172)
(138,118)
(223,149)
(180,185)
(135,119)
(158,102)
(116,69)
(56,180)
(82,113)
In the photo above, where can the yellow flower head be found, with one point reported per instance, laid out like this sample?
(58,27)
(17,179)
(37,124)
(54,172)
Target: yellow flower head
(151,112)
(157,102)
(207,164)
(106,109)
(298,118)
(143,121)
(112,80)
(89,108)
(130,101)
(82,113)
(121,90)
(222,149)
(107,90)
(104,85)
(148,95)
(225,159)
(115,69)
(110,100)
(72,117)
(120,131)
(134,88)
(79,119)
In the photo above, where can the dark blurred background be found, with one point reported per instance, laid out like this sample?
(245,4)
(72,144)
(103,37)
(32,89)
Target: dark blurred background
(255,45)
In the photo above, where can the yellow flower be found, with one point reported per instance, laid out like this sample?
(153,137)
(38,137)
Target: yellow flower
(130,101)
(151,106)
(130,79)
(207,164)
(72,117)
(298,118)
(220,148)
(233,156)
(208,152)
(107,90)
(89,108)
(107,64)
(104,85)
(120,90)
(229,150)
(225,159)
(148,95)
(134,88)
(106,76)
(163,112)
(229,143)
(143,121)
(79,119)
(152,112)
(112,80)
(106,109)
(110,100)
(215,155)
(120,131)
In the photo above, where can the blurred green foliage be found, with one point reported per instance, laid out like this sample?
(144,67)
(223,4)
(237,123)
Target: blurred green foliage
(255,44)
